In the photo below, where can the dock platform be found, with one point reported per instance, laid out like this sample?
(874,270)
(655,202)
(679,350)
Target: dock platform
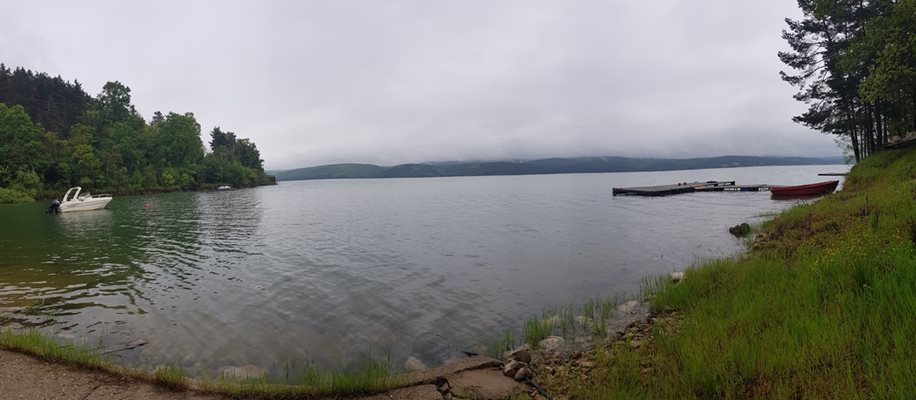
(678,188)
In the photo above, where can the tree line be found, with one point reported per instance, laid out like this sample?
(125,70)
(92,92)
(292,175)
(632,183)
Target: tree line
(53,135)
(854,64)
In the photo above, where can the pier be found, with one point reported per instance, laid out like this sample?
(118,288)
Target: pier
(689,187)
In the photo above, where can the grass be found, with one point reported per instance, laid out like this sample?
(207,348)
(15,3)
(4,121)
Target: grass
(591,321)
(366,378)
(33,342)
(172,377)
(824,306)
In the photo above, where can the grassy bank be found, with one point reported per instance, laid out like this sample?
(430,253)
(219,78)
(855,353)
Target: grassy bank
(310,382)
(822,306)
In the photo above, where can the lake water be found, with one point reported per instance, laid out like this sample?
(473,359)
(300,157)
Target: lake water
(330,270)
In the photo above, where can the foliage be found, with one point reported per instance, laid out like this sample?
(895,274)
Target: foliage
(855,64)
(53,136)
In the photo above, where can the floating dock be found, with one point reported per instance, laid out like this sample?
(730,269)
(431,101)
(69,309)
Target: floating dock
(688,187)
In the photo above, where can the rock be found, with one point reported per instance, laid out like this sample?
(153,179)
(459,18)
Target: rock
(483,384)
(635,344)
(740,230)
(512,367)
(442,385)
(586,364)
(678,276)
(522,374)
(242,373)
(522,354)
(414,364)
(430,375)
(551,344)
(628,307)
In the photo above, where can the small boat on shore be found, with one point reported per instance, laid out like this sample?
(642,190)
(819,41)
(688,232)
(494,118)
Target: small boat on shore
(224,187)
(74,201)
(811,189)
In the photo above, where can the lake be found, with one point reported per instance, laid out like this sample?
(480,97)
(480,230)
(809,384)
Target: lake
(329,271)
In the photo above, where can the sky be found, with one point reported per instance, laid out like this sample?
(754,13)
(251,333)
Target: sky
(397,81)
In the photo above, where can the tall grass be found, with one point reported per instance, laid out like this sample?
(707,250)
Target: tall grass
(824,308)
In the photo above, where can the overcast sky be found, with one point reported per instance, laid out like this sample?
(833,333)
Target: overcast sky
(393,81)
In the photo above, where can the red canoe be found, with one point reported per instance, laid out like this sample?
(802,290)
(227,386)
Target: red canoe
(811,189)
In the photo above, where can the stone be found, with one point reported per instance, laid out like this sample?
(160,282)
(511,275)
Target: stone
(484,384)
(430,375)
(635,344)
(586,364)
(522,374)
(678,276)
(242,373)
(628,307)
(442,385)
(740,230)
(512,367)
(552,344)
(522,354)
(413,364)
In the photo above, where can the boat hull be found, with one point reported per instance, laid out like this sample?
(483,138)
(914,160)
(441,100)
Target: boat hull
(813,189)
(85,205)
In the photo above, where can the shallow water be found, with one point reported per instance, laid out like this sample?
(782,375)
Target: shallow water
(331,270)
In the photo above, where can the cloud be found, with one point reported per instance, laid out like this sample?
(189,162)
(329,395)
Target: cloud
(405,81)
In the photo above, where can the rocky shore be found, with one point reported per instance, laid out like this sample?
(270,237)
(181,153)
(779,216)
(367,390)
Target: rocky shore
(544,371)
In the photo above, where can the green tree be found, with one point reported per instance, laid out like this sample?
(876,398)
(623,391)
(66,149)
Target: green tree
(21,148)
(889,48)
(817,41)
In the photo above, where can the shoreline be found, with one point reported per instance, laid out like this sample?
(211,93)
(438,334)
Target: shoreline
(720,330)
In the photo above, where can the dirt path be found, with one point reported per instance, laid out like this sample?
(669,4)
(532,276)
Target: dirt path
(25,377)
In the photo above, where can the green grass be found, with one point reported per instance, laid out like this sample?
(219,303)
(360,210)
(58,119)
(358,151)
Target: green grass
(33,342)
(171,376)
(824,308)
(368,377)
(590,321)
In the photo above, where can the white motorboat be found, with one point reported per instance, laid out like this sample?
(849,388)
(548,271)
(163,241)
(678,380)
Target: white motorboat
(74,201)
(224,187)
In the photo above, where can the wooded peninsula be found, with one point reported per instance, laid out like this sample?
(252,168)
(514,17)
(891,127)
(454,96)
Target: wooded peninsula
(53,135)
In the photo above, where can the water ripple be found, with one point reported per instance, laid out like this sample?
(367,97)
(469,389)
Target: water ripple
(327,270)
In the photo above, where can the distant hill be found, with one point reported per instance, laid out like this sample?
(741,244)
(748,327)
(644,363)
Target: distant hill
(534,167)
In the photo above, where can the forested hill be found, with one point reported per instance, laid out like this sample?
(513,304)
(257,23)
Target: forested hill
(53,135)
(543,166)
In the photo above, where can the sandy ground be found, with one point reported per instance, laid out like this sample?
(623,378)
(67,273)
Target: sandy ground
(26,377)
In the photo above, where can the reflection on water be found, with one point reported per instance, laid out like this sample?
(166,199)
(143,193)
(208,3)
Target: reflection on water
(326,270)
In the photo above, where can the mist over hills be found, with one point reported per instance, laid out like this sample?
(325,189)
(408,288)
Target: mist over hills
(534,167)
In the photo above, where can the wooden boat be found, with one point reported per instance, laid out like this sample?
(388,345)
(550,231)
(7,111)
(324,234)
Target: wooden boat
(811,189)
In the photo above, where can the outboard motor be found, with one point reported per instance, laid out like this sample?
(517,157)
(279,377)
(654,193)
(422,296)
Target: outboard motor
(54,207)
